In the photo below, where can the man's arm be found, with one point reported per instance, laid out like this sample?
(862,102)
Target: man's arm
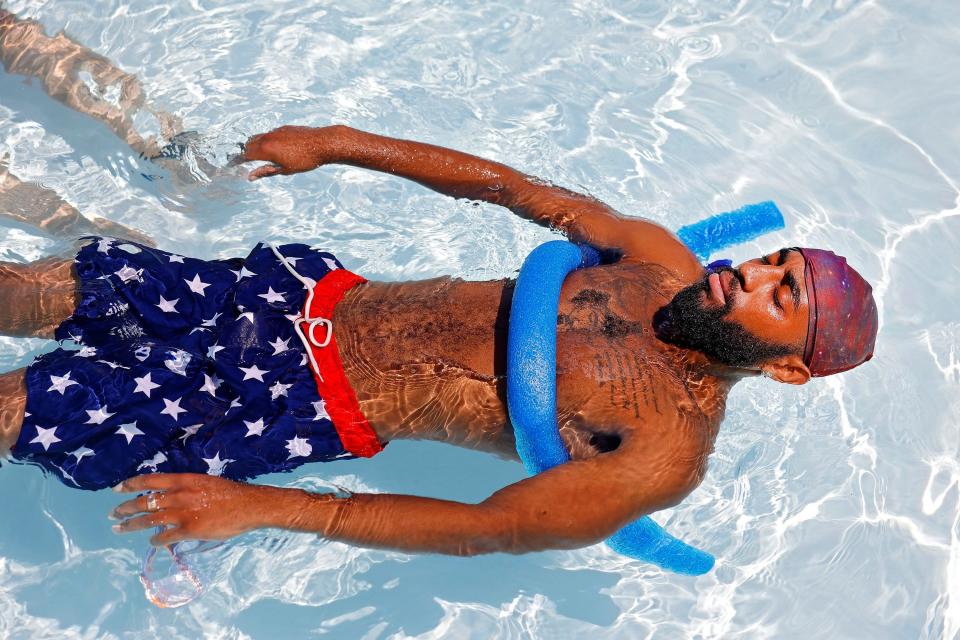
(460,175)
(569,506)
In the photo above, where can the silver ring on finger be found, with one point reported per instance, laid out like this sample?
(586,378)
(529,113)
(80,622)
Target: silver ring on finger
(152,503)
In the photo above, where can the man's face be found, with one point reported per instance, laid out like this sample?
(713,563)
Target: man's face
(742,316)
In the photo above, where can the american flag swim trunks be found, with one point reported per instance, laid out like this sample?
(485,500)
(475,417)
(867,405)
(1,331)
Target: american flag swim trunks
(183,365)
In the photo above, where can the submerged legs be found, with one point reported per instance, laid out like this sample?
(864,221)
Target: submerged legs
(36,205)
(112,96)
(35,298)
(13,399)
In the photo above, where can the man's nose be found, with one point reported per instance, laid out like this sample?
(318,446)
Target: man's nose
(755,274)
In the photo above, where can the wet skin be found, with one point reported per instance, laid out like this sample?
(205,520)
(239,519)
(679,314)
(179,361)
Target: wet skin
(426,361)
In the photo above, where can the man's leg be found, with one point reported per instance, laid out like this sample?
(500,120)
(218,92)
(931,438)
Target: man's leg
(13,398)
(58,62)
(35,298)
(43,208)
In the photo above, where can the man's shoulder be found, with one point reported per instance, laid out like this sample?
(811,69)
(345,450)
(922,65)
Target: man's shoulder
(648,242)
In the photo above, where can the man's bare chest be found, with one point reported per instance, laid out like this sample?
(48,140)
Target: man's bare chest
(613,374)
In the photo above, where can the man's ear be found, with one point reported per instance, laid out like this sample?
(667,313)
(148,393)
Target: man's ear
(789,369)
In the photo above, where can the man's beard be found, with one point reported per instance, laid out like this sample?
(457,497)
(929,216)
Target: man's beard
(684,322)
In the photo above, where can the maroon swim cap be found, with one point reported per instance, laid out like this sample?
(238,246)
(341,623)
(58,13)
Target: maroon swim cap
(842,329)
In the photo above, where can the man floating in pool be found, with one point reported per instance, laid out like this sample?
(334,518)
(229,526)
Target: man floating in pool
(194,374)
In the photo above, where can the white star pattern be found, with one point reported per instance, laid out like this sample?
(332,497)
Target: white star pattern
(190,431)
(153,462)
(210,384)
(178,361)
(82,453)
(242,273)
(330,263)
(197,317)
(254,428)
(60,383)
(253,373)
(113,365)
(46,437)
(279,346)
(299,447)
(272,296)
(216,465)
(172,408)
(320,406)
(98,416)
(168,306)
(129,431)
(211,322)
(145,385)
(196,285)
(128,273)
(277,390)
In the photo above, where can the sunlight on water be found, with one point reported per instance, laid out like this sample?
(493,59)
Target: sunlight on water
(833,509)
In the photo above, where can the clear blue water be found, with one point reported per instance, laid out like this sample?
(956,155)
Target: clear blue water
(833,509)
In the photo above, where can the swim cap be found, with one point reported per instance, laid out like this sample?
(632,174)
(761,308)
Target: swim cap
(842,329)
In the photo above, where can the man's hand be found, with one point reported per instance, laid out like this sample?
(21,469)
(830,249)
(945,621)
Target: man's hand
(194,506)
(292,150)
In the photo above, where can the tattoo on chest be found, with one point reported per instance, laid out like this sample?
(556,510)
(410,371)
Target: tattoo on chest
(625,368)
(628,377)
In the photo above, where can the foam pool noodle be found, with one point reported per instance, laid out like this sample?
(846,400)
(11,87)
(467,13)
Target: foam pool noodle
(734,227)
(532,366)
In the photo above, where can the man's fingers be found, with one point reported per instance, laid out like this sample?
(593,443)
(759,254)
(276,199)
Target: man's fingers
(251,150)
(169,536)
(150,503)
(265,171)
(137,505)
(143,522)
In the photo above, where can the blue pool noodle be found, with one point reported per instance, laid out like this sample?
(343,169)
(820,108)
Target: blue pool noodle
(532,366)
(727,229)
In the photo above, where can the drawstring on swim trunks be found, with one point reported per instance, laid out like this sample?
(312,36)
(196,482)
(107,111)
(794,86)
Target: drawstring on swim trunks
(355,432)
(308,339)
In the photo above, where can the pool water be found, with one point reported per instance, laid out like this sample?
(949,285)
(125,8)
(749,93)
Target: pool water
(833,509)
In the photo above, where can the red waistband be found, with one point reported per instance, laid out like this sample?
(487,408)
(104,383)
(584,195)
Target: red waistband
(356,434)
